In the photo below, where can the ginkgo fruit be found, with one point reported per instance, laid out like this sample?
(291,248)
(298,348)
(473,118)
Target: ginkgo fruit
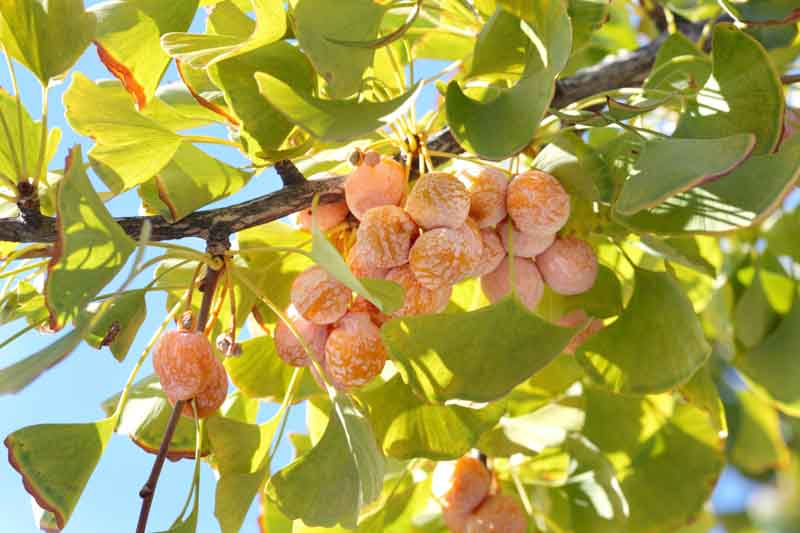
(468,485)
(184,361)
(419,299)
(569,266)
(329,216)
(438,200)
(523,244)
(441,257)
(527,281)
(290,349)
(499,513)
(354,352)
(384,236)
(358,261)
(487,188)
(318,297)
(375,182)
(492,253)
(211,396)
(537,203)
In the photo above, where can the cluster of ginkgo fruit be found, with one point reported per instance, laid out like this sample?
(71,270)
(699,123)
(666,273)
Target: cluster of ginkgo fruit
(475,222)
(471,501)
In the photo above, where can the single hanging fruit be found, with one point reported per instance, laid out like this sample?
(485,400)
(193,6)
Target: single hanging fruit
(184,361)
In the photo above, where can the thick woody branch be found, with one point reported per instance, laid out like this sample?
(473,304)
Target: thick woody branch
(297,193)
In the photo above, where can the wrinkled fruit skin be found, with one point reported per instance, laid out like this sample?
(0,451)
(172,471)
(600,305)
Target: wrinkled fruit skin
(373,186)
(358,261)
(470,484)
(497,514)
(527,281)
(289,347)
(419,299)
(354,353)
(487,190)
(438,200)
(537,203)
(442,257)
(492,253)
(184,362)
(210,397)
(569,266)
(318,297)
(384,237)
(523,244)
(328,216)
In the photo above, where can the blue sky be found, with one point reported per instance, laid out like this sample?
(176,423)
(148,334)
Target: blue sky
(73,390)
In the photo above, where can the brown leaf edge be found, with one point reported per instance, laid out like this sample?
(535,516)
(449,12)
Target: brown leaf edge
(208,104)
(123,74)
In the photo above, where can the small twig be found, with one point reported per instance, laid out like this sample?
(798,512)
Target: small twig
(790,79)
(208,286)
(289,173)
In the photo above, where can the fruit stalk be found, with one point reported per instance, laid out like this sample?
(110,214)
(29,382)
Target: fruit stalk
(208,287)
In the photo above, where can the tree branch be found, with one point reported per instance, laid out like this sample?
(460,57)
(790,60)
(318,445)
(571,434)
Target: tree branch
(297,193)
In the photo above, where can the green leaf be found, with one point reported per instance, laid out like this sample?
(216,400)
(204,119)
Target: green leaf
(332,120)
(669,166)
(318,24)
(772,364)
(445,357)
(91,246)
(57,460)
(406,427)
(667,455)
(47,36)
(641,353)
(679,66)
(781,236)
(504,125)
(753,316)
(144,419)
(587,16)
(259,373)
(15,377)
(755,443)
(745,92)
(763,11)
(603,300)
(204,50)
(11,142)
(500,50)
(681,250)
(191,180)
(702,392)
(337,478)
(123,315)
(261,121)
(579,168)
(741,199)
(133,144)
(385,295)
(129,40)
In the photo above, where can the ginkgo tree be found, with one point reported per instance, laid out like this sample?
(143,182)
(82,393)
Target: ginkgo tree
(573,273)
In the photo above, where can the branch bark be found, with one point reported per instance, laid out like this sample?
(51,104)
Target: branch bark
(297,194)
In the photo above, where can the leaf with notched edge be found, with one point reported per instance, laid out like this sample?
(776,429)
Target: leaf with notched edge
(90,247)
(57,460)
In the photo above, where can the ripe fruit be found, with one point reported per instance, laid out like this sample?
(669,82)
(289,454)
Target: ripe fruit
(385,235)
(318,297)
(461,485)
(374,183)
(419,300)
(438,200)
(487,192)
(527,281)
(362,305)
(441,257)
(569,266)
(537,203)
(473,246)
(497,514)
(455,520)
(575,318)
(210,397)
(524,244)
(328,216)
(359,265)
(492,254)
(354,353)
(184,362)
(290,349)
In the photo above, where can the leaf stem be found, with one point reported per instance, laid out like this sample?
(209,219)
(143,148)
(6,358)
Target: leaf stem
(206,139)
(41,165)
